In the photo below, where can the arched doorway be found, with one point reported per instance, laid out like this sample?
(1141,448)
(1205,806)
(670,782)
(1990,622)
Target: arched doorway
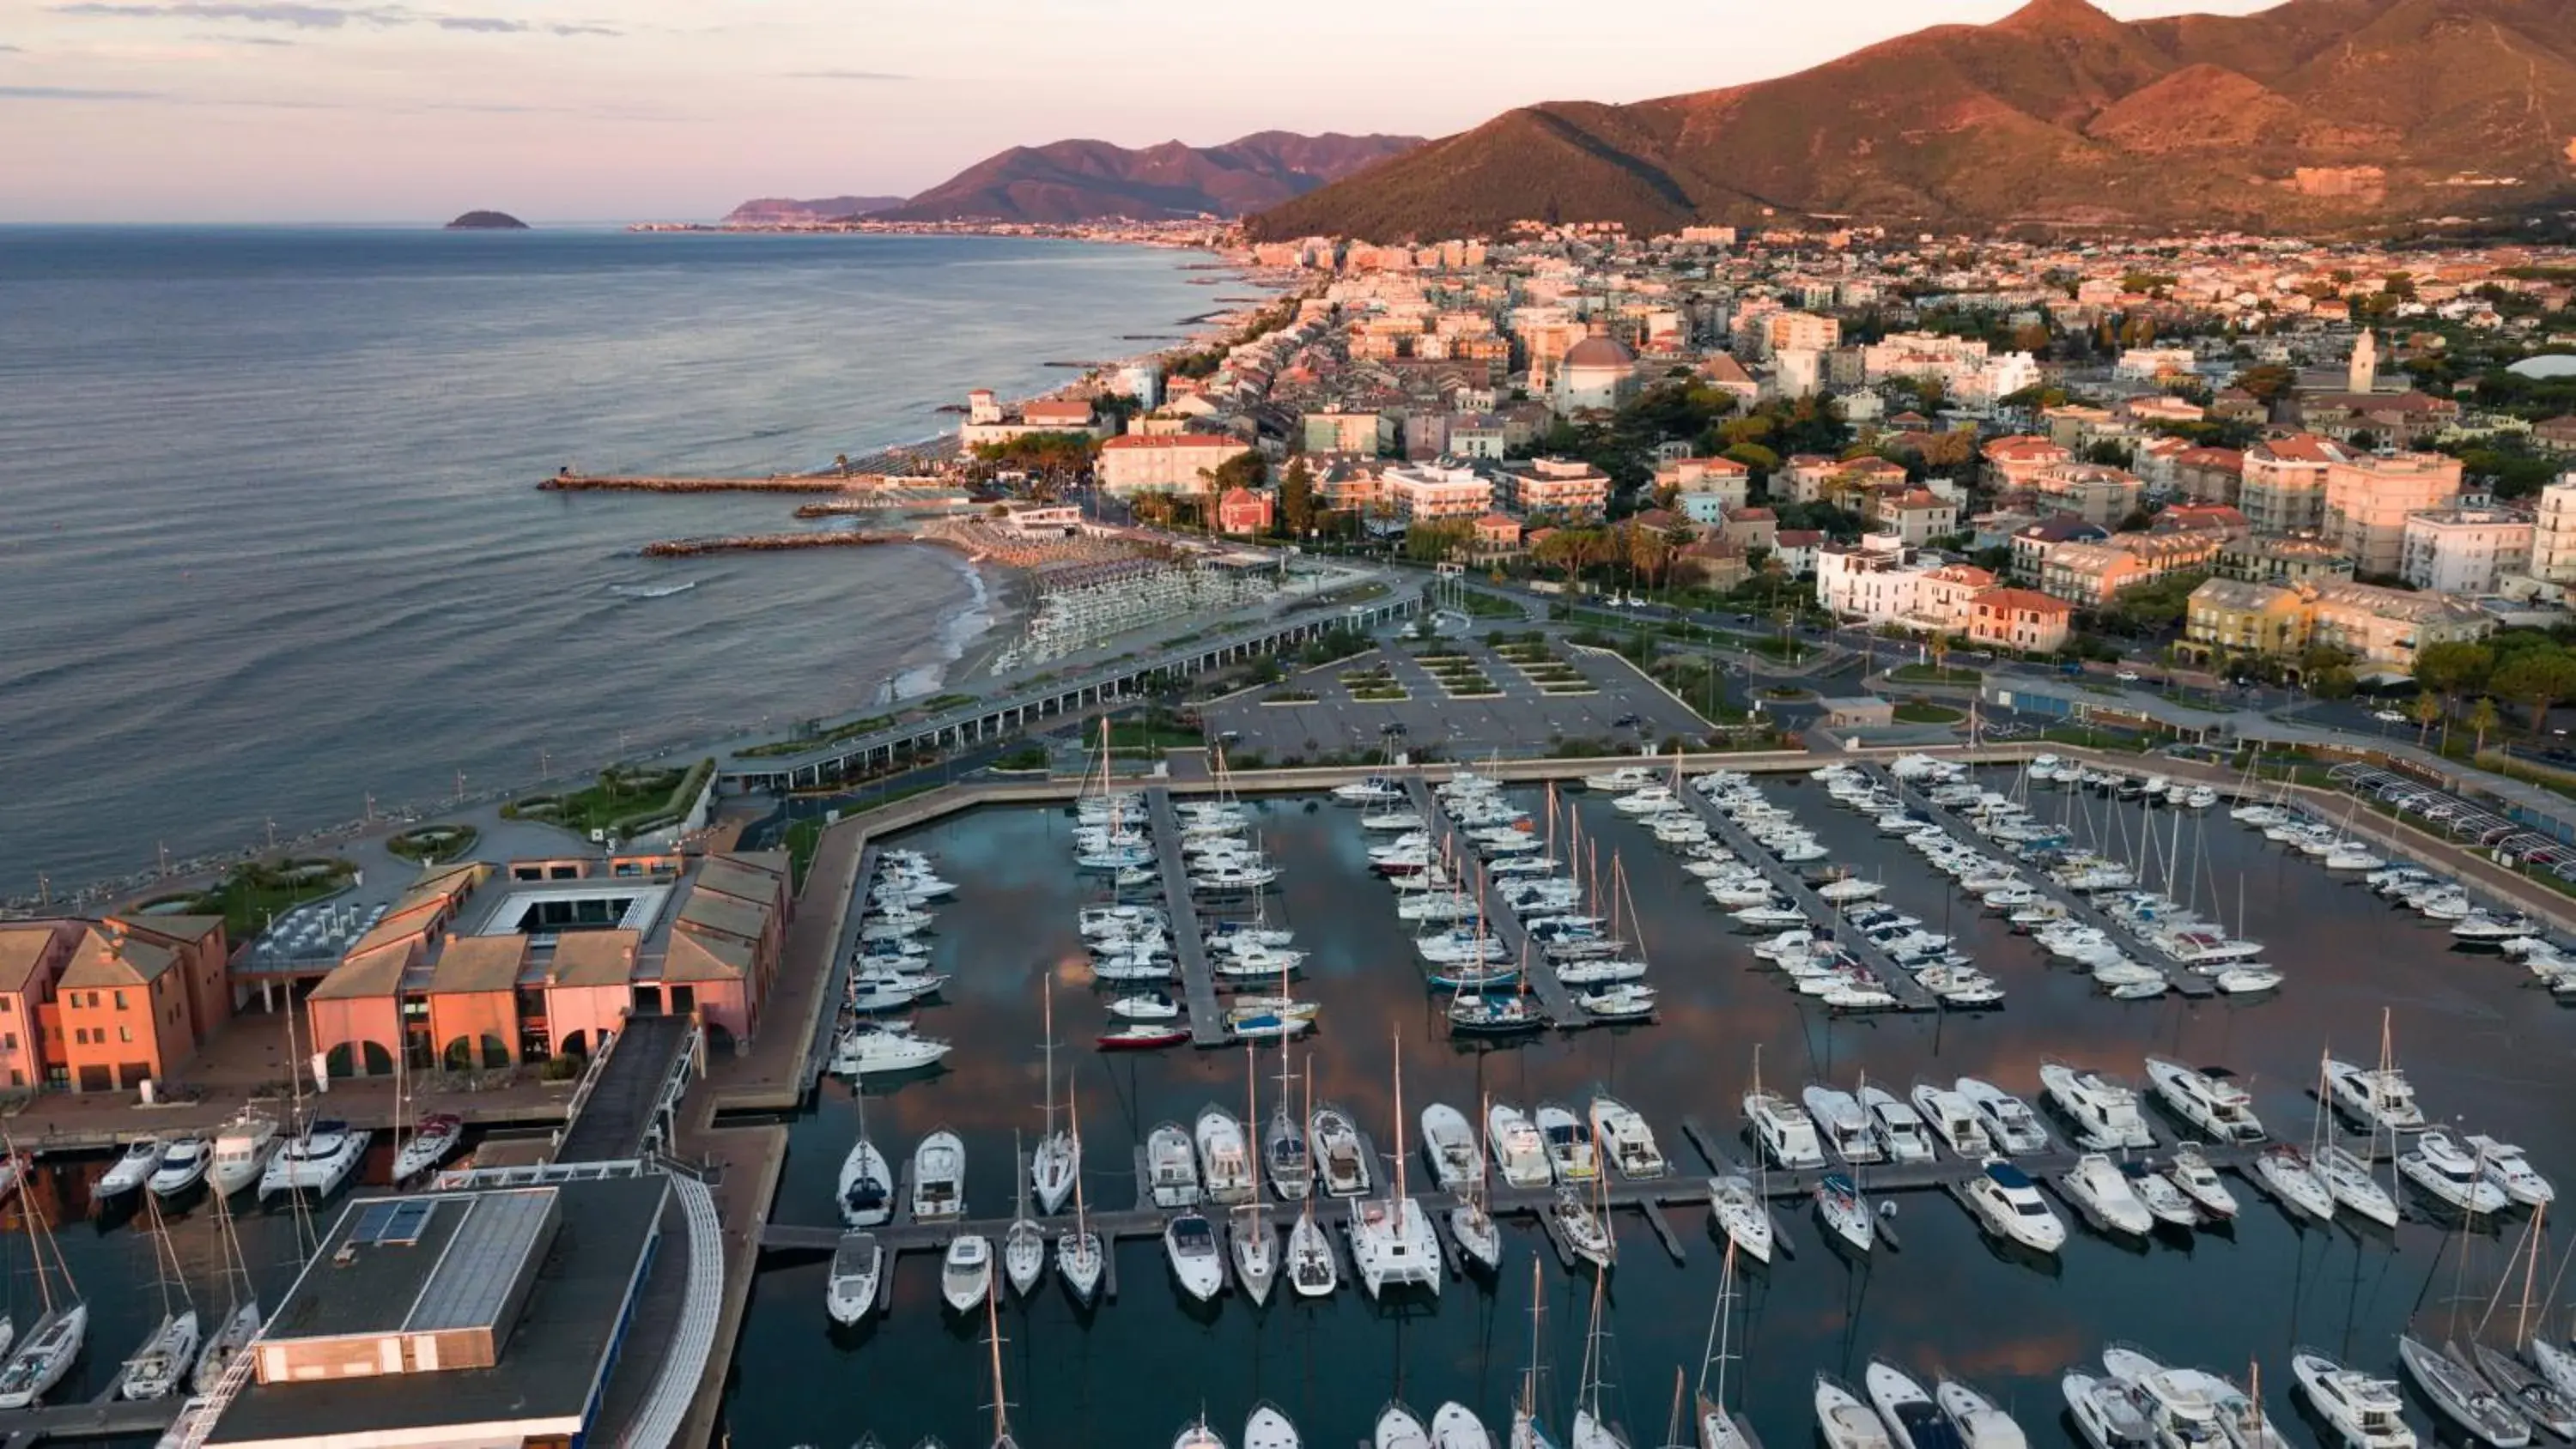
(458,1054)
(340,1061)
(719,1040)
(575,1045)
(379,1061)
(496,1053)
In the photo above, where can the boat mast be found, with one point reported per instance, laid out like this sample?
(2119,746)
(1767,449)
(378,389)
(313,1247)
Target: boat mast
(1001,1407)
(1529,1379)
(1398,1201)
(1587,1396)
(1306,1204)
(1081,1221)
(1049,1045)
(38,1231)
(2530,1270)
(1252,1114)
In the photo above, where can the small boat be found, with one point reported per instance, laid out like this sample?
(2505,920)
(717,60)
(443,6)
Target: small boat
(1455,1426)
(1189,1241)
(1741,1214)
(1146,1006)
(1256,1252)
(1197,1435)
(437,1135)
(2101,1190)
(2206,1098)
(182,1167)
(1845,1421)
(2508,1169)
(2285,1172)
(1519,1153)
(2462,1397)
(866,1189)
(1625,1138)
(2190,1171)
(1397,1428)
(1171,1166)
(1981,1423)
(850,1294)
(2167,1203)
(1266,1427)
(2007,1204)
(1954,1120)
(1586,1233)
(1225,1157)
(2379,1098)
(1907,1136)
(1913,1420)
(161,1364)
(1845,1126)
(2348,1180)
(318,1162)
(1570,1154)
(1024,1255)
(230,1337)
(2538,1400)
(44,1355)
(1334,1143)
(1783,1130)
(1840,1207)
(1141,1036)
(884,1050)
(131,1170)
(2364,1412)
(1313,1271)
(939,1177)
(2015,1128)
(1479,1238)
(2105,1112)
(2108,1413)
(966,1272)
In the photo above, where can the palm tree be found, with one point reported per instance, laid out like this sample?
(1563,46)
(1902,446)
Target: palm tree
(2482,718)
(2428,708)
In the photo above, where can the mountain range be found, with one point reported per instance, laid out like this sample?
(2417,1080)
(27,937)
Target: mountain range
(2314,113)
(1073,181)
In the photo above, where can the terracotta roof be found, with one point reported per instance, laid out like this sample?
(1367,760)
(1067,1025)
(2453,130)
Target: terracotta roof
(2022,599)
(707,912)
(107,955)
(363,975)
(593,958)
(24,945)
(1126,442)
(1800,537)
(705,958)
(741,878)
(2297,448)
(480,963)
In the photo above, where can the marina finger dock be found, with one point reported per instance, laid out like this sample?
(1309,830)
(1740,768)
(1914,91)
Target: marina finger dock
(1500,919)
(1909,994)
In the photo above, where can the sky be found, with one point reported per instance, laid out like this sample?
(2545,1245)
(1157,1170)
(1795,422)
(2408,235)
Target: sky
(622,110)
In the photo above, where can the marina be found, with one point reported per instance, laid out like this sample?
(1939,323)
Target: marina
(1198,982)
(1500,920)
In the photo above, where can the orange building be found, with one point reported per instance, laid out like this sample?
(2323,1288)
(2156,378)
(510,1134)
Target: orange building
(109,1004)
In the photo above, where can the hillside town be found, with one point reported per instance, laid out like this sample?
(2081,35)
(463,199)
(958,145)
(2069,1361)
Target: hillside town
(2304,460)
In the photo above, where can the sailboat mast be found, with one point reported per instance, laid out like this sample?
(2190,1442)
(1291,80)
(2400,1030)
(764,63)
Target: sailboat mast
(2530,1270)
(1399,1198)
(993,1335)
(1252,1118)
(1073,1102)
(1049,1045)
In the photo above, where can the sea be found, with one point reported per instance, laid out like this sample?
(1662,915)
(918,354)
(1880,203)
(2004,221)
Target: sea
(272,553)
(2483,1048)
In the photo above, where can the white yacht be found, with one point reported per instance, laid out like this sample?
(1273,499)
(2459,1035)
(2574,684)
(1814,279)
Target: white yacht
(2364,1412)
(885,1049)
(1954,1120)
(1844,1212)
(44,1355)
(1024,1254)
(966,1272)
(2377,1097)
(1845,1421)
(1225,1158)
(1189,1241)
(1907,1136)
(2190,1171)
(1568,1139)
(2104,1112)
(2462,1397)
(939,1178)
(1519,1153)
(2509,1169)
(132,1168)
(1845,1126)
(2285,1172)
(1449,1147)
(2189,1407)
(2207,1098)
(1479,1238)
(1333,1141)
(858,1263)
(2167,1203)
(242,1146)
(2108,1413)
(1586,1232)
(432,1139)
(1269,1427)
(866,1188)
(1981,1423)
(1313,1270)
(1455,1426)
(319,1162)
(1913,1420)
(2443,1167)
(182,1167)
(1626,1140)
(2006,1203)
(1393,1246)
(1171,1166)
(2009,1121)
(161,1364)
(2097,1186)
(2348,1180)
(1255,1246)
(1741,1214)
(1783,1131)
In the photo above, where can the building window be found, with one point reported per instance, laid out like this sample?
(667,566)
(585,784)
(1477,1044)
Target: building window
(8,1041)
(120,1001)
(125,1033)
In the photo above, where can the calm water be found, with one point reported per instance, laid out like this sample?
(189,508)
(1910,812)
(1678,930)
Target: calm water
(2477,1045)
(271,539)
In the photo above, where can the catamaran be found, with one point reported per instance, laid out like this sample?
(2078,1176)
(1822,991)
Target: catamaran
(1392,1242)
(318,1162)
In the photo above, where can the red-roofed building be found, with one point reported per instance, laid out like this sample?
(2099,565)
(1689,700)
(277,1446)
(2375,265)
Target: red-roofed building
(1243,511)
(2019,460)
(2025,620)
(1794,550)
(1498,534)
(1166,462)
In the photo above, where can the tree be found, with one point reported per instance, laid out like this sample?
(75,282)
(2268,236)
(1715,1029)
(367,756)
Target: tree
(1297,498)
(2536,679)
(2482,719)
(1437,540)
(1243,470)
(842,462)
(2454,667)
(2267,381)
(2427,708)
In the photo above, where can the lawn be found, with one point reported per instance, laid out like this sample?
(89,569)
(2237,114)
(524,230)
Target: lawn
(426,843)
(1933,674)
(832,736)
(1915,711)
(1481,605)
(257,893)
(625,800)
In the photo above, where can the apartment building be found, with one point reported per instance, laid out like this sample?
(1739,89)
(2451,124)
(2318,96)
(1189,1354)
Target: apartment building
(1134,463)
(1804,331)
(1915,516)
(2386,627)
(1368,433)
(2283,489)
(2023,620)
(2090,491)
(2090,575)
(2464,550)
(2368,498)
(1559,487)
(2282,562)
(1705,489)
(1423,491)
(108,1003)
(2553,543)
(2237,616)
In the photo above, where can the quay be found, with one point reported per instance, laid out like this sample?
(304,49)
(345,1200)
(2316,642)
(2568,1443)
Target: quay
(2186,982)
(1562,1010)
(1198,983)
(1909,994)
(105,1417)
(569,482)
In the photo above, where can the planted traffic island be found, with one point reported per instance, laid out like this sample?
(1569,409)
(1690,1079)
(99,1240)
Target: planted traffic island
(430,844)
(624,801)
(1375,684)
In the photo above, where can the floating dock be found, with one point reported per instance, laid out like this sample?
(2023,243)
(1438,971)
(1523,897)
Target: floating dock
(1198,983)
(2186,981)
(1501,921)
(1909,994)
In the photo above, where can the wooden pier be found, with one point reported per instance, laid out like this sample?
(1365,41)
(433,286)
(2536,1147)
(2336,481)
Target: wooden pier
(104,1417)
(1501,921)
(1198,983)
(1900,983)
(2185,981)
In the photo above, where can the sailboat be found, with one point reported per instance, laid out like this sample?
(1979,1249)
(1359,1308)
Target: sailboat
(1058,1160)
(1256,1248)
(240,1322)
(46,1353)
(1024,1244)
(1079,1258)
(1001,1405)
(1527,1431)
(1471,1223)
(1312,1269)
(1717,1428)
(1283,1144)
(1392,1243)
(162,1363)
(866,1189)
(1591,1430)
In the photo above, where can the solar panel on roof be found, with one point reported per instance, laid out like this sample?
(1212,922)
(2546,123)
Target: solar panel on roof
(372,1220)
(410,1217)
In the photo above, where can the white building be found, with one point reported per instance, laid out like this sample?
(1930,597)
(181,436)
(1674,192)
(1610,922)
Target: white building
(1798,372)
(1165,462)
(1431,490)
(2553,543)
(1597,372)
(2146,364)
(1872,581)
(2464,550)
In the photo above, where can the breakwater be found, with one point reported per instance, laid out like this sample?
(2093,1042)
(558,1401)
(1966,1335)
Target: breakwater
(778,483)
(769,543)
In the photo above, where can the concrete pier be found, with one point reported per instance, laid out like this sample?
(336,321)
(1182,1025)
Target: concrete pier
(1910,996)
(1501,922)
(1198,983)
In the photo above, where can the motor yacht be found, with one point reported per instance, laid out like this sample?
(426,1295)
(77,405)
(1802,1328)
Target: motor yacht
(1519,1152)
(1981,1422)
(183,1166)
(1907,1137)
(850,1294)
(2102,1191)
(1225,1157)
(2286,1173)
(1571,1156)
(1741,1214)
(1844,1212)
(2167,1203)
(1620,1001)
(966,1273)
(2461,1396)
(1913,1420)
(2207,1098)
(1623,1136)
(2105,1113)
(1171,1166)
(2348,1179)
(1189,1241)
(1845,1421)
(242,1147)
(939,1178)
(2364,1412)
(1952,1119)
(885,1049)
(1334,1143)
(2108,1413)
(890,989)
(2378,1098)
(2442,1166)
(2009,1121)
(318,1162)
(2190,1171)
(1845,1127)
(2507,1168)
(1449,1147)
(2191,1408)
(132,1168)
(2006,1203)
(1783,1131)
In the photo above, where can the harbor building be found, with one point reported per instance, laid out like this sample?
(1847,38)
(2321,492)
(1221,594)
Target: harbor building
(107,1004)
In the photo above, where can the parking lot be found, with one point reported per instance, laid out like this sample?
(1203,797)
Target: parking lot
(1623,710)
